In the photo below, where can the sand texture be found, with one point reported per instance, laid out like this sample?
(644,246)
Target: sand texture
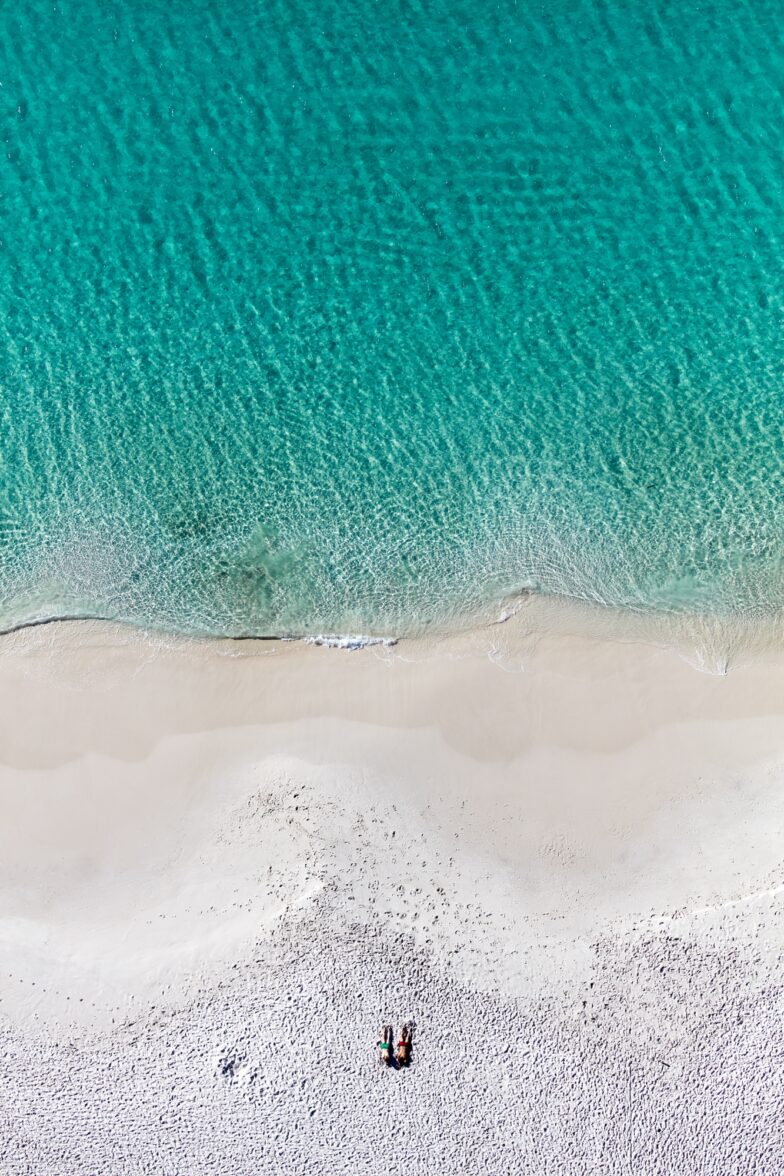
(224,865)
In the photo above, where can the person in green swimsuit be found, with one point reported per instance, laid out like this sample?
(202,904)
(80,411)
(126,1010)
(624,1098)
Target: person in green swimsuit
(385,1045)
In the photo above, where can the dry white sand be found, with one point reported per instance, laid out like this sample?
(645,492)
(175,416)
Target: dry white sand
(223,865)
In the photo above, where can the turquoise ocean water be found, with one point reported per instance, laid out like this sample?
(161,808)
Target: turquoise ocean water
(356,317)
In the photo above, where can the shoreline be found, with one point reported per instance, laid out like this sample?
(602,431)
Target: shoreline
(517,825)
(711,644)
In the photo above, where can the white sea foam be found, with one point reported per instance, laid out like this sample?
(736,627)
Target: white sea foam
(347,642)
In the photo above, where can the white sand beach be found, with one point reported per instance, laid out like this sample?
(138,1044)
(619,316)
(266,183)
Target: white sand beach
(223,865)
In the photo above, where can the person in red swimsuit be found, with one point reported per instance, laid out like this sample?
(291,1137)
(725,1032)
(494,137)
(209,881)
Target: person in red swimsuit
(403,1052)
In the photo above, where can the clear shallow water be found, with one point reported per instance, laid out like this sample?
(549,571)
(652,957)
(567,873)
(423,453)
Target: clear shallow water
(358,317)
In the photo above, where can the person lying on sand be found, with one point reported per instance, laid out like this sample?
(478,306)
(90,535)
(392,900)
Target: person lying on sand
(385,1045)
(403,1052)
